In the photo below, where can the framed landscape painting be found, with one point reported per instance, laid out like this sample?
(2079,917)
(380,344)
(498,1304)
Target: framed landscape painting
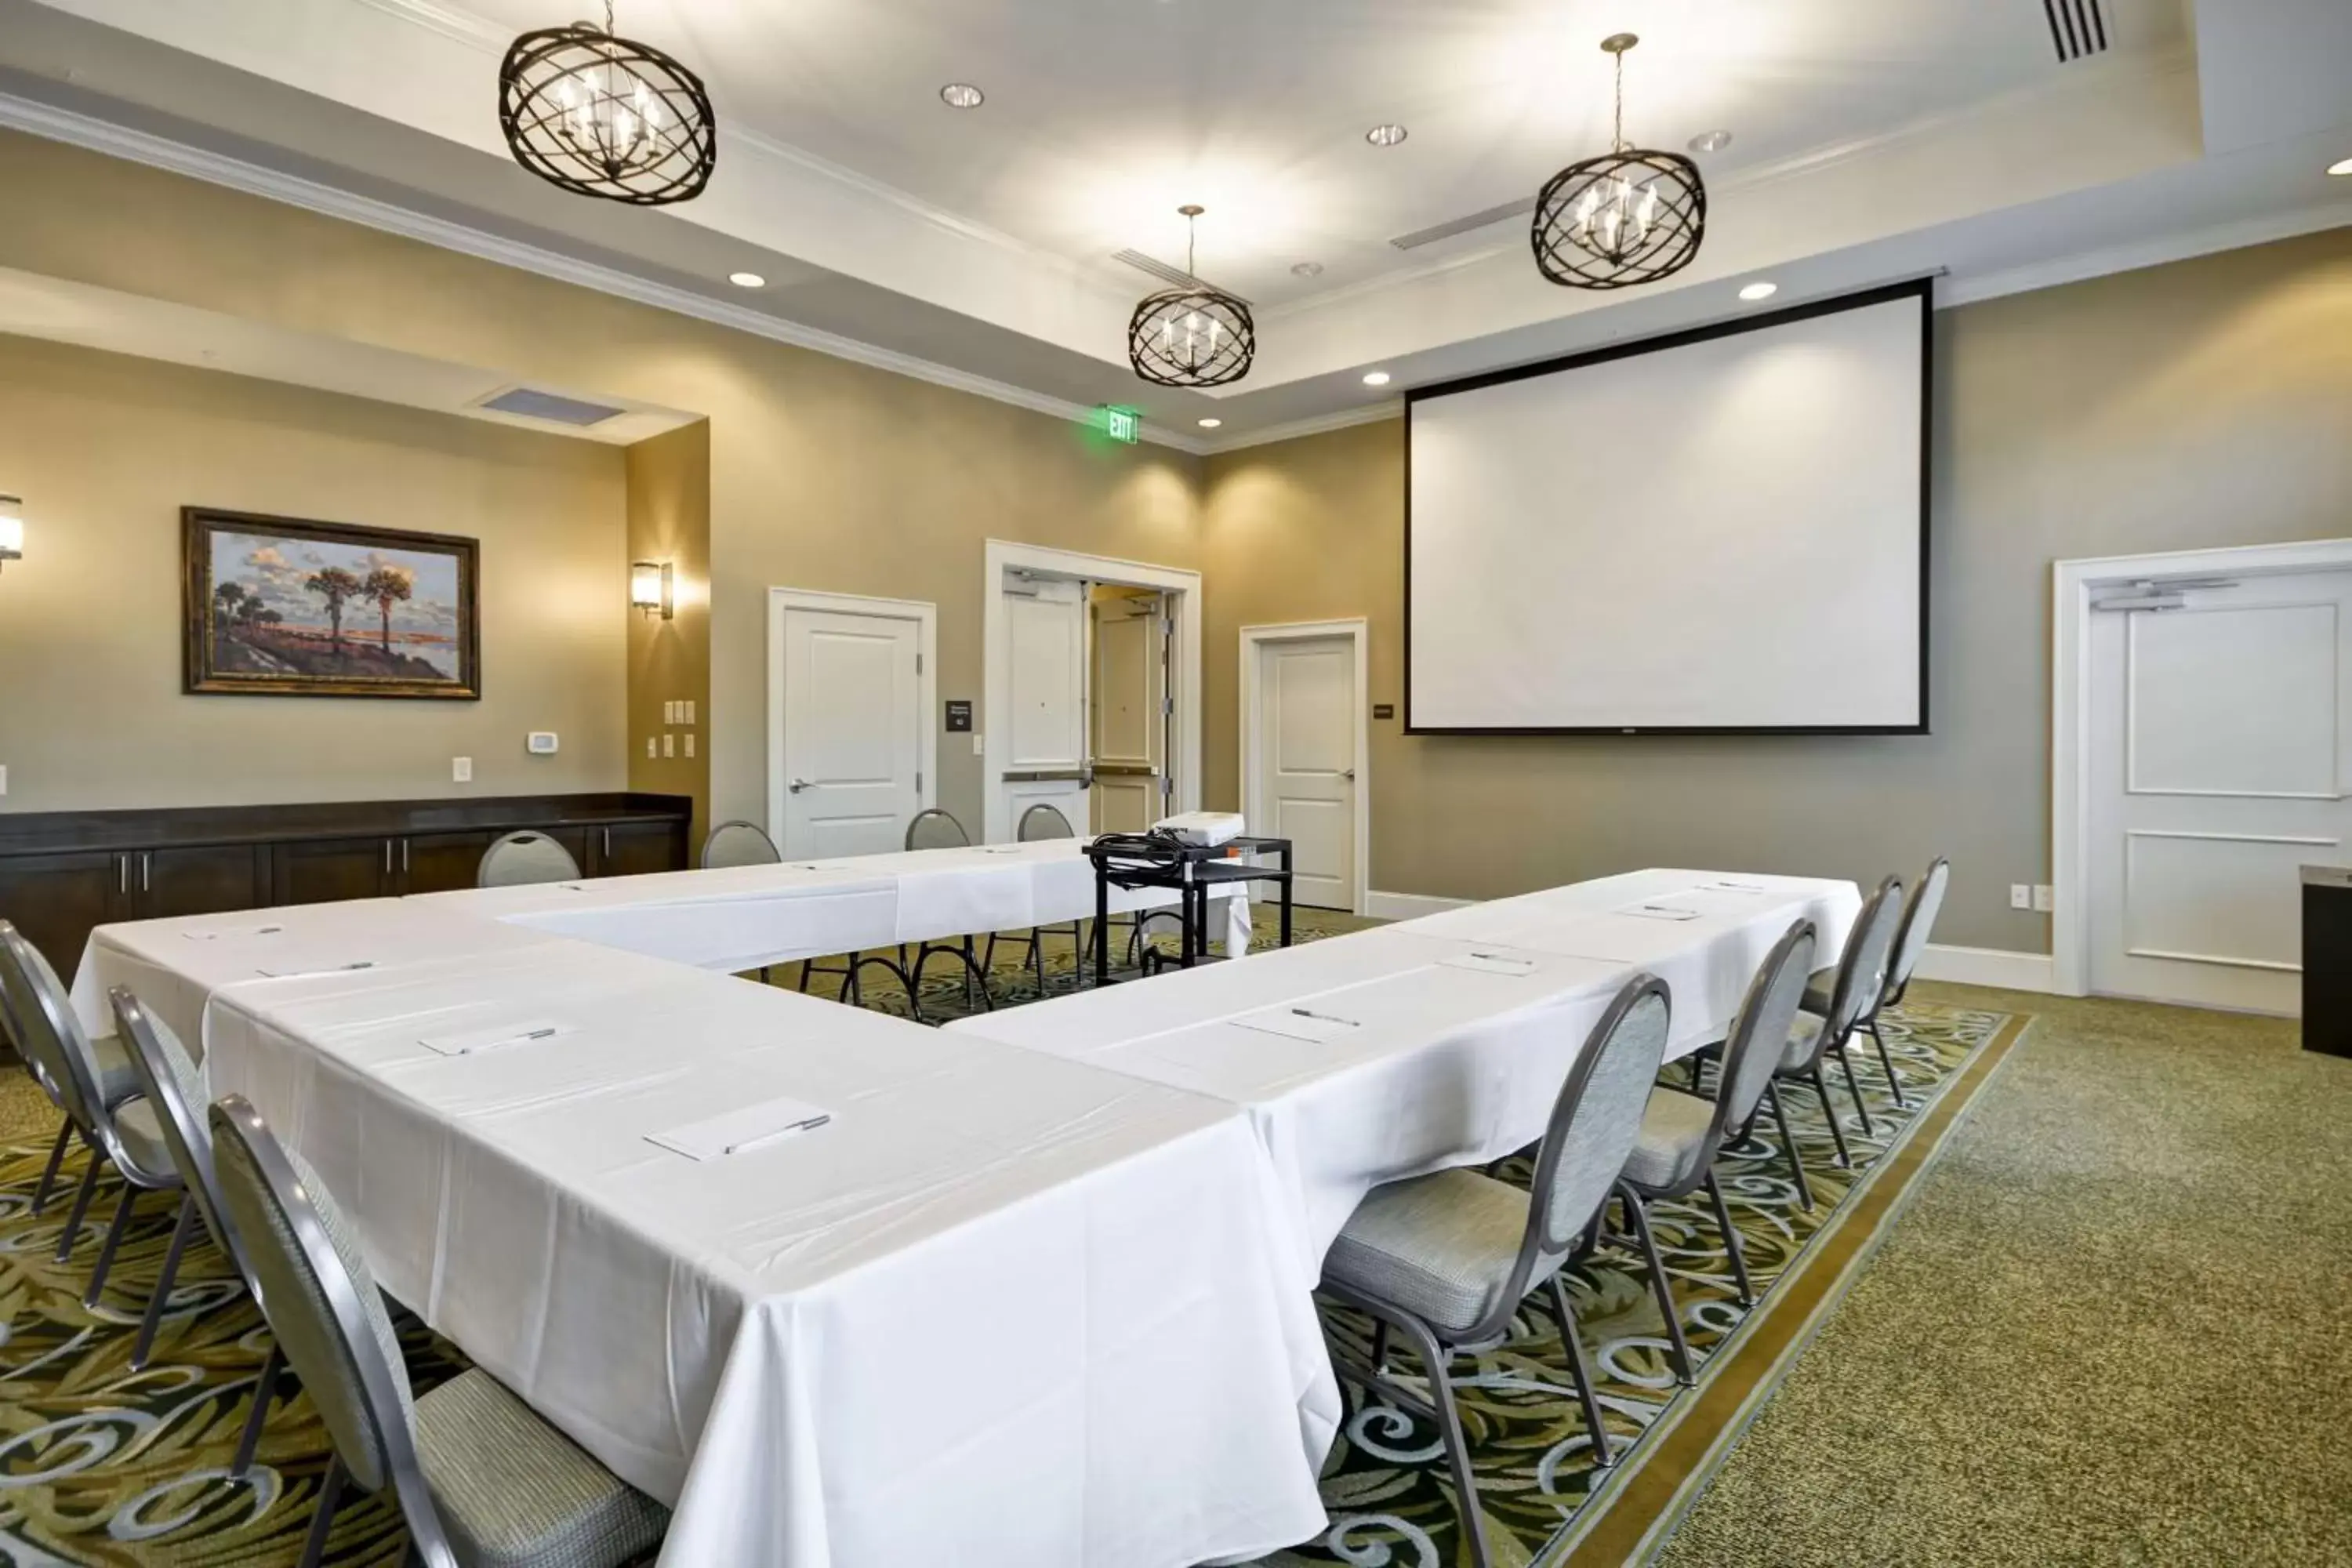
(277,607)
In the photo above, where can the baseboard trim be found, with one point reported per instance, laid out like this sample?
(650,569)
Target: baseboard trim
(1989,966)
(1382,906)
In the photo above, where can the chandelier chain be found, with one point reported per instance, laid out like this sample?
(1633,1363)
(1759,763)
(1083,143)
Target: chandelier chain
(608,25)
(1618,142)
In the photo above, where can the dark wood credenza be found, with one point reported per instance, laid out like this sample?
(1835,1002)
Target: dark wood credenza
(63,872)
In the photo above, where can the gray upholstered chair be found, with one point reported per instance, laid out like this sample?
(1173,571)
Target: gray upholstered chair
(934,827)
(1448,1258)
(1854,987)
(518,860)
(119,1126)
(1919,910)
(1682,1132)
(480,1480)
(115,1080)
(1039,823)
(739,843)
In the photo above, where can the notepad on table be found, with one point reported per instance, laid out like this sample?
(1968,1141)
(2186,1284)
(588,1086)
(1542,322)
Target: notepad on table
(1490,963)
(1300,1024)
(1658,912)
(739,1132)
(297,971)
(466,1042)
(218,932)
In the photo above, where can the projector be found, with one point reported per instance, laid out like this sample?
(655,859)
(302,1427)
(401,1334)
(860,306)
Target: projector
(1208,829)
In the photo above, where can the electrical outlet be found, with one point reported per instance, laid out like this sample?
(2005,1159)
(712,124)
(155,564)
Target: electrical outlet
(2021,897)
(461,770)
(2041,900)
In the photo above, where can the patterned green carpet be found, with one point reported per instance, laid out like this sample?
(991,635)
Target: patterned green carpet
(100,1465)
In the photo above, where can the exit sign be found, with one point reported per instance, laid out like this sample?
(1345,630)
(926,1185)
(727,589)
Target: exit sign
(1121,423)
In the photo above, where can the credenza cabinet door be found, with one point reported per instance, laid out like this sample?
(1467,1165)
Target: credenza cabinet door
(330,870)
(443,862)
(55,900)
(197,879)
(635,848)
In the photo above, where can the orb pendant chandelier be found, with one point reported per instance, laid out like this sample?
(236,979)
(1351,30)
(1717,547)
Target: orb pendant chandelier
(1627,218)
(1192,336)
(602,116)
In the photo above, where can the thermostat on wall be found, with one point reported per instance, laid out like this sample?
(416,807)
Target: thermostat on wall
(542,742)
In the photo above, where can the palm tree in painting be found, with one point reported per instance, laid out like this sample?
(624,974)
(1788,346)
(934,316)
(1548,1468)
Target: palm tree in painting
(335,586)
(388,585)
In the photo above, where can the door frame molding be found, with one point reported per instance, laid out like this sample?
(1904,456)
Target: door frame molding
(2070,711)
(1183,586)
(926,617)
(1255,640)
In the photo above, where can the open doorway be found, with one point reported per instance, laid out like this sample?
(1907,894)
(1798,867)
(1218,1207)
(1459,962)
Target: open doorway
(1092,686)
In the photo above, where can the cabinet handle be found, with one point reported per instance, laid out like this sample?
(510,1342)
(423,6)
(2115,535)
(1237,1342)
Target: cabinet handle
(146,865)
(404,857)
(608,843)
(387,856)
(122,873)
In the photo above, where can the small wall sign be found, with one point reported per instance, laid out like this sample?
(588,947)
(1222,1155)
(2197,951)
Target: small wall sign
(959,716)
(1383,709)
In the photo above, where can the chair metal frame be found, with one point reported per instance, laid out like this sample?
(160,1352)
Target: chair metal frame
(1745,1038)
(59,1030)
(1924,903)
(33,1069)
(775,856)
(1541,1247)
(909,975)
(1034,936)
(524,836)
(235,1116)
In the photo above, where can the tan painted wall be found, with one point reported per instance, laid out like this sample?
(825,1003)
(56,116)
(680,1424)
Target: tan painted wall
(669,661)
(2205,403)
(106,450)
(823,473)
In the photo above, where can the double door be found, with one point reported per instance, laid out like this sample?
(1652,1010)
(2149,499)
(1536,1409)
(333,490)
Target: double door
(1089,708)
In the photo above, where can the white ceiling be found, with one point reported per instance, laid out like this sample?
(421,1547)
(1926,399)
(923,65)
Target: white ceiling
(1870,141)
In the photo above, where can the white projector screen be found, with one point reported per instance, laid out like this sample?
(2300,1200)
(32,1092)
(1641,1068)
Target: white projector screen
(1724,531)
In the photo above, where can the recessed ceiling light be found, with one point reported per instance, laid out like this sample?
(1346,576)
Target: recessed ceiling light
(1710,141)
(1385,135)
(2341,166)
(1308,270)
(962,95)
(1376,378)
(1211,424)
(1759,291)
(747,281)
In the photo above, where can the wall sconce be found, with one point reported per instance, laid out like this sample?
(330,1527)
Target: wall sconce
(11,528)
(650,589)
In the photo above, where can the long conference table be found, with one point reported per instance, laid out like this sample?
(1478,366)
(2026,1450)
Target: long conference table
(1031,1290)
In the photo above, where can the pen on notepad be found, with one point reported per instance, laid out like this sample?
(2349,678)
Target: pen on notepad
(807,1125)
(1322,1017)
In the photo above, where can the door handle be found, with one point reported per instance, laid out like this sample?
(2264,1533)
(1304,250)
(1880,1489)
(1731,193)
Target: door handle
(797,786)
(1348,773)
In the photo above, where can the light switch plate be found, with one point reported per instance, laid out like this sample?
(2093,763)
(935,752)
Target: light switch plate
(461,770)
(688,706)
(3,778)
(652,751)
(669,744)
(689,745)
(979,748)
(2042,899)
(2021,897)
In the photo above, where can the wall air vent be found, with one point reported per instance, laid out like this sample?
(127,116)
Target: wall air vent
(1431,235)
(2077,28)
(529,403)
(1174,277)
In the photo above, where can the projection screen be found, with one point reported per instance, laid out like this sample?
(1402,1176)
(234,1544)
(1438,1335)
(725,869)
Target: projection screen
(1724,532)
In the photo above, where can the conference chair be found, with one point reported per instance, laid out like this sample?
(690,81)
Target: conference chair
(115,1081)
(119,1128)
(1447,1260)
(519,859)
(480,1480)
(935,829)
(1682,1132)
(1855,986)
(1039,823)
(739,843)
(1919,912)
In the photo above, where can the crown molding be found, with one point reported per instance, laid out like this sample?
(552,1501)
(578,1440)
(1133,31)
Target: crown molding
(2155,252)
(1320,424)
(253,179)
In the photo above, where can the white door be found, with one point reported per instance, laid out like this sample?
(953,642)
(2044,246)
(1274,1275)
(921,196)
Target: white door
(1304,759)
(1045,724)
(1131,720)
(2219,733)
(852,731)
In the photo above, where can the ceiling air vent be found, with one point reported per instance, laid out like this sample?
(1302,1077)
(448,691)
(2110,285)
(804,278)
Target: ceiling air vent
(1431,235)
(1174,277)
(529,403)
(2077,28)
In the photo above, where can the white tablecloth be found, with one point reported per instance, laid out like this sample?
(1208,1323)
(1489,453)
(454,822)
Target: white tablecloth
(1004,1309)
(743,918)
(1451,1061)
